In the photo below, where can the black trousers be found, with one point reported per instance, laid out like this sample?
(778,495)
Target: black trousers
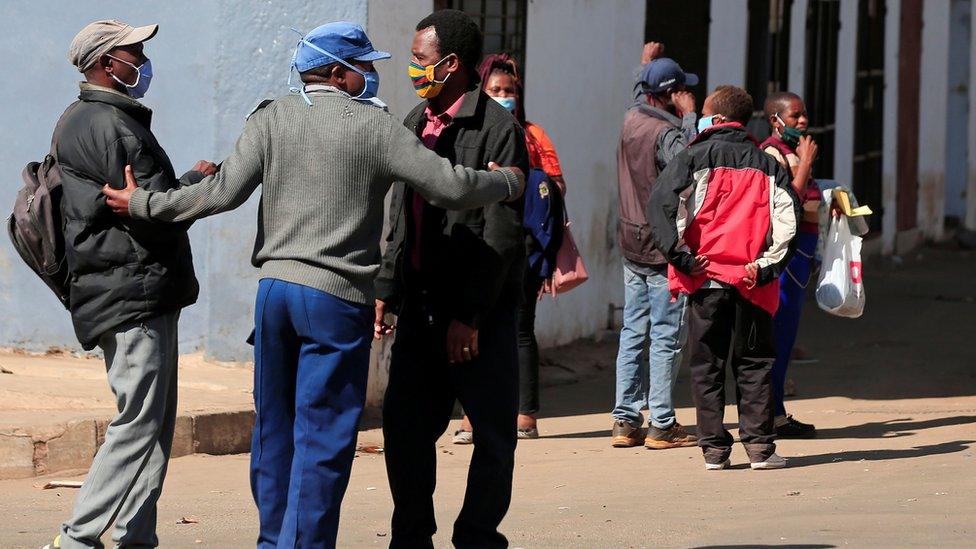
(528,347)
(725,328)
(418,405)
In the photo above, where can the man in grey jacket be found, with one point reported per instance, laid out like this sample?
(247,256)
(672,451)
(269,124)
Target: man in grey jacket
(657,127)
(325,160)
(129,281)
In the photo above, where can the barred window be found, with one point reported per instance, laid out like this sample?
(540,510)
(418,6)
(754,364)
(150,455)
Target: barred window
(501,21)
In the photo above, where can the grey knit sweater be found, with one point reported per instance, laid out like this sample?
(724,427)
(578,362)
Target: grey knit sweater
(324,171)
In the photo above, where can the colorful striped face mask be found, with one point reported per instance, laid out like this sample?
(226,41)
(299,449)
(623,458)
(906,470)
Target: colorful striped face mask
(424,83)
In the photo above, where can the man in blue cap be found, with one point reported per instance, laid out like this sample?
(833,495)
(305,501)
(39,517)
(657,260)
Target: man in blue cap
(325,158)
(658,126)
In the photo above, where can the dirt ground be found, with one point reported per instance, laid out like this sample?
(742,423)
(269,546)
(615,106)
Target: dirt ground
(893,395)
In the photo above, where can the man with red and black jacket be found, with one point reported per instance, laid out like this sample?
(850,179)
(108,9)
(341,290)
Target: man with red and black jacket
(726,251)
(454,278)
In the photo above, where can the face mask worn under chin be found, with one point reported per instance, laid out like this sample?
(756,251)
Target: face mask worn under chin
(424,83)
(144,74)
(508,103)
(371,78)
(791,136)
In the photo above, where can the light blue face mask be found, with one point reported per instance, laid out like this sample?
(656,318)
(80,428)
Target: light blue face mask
(705,122)
(372,78)
(144,76)
(508,103)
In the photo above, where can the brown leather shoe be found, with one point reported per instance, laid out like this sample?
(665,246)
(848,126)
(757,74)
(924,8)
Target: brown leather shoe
(672,437)
(626,435)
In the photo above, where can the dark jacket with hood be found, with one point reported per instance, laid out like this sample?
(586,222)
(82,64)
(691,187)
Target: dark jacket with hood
(474,259)
(122,270)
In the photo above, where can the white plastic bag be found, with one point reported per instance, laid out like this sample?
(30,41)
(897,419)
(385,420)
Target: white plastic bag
(840,290)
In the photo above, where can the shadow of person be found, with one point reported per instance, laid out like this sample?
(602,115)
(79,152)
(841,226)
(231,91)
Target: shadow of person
(881,455)
(892,428)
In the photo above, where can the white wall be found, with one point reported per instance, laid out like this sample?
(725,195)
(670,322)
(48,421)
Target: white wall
(889,144)
(798,47)
(728,43)
(846,72)
(580,67)
(391,28)
(933,109)
(957,117)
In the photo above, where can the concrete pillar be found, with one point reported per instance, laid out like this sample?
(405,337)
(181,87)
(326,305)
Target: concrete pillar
(728,43)
(933,107)
(846,78)
(970,221)
(796,77)
(889,161)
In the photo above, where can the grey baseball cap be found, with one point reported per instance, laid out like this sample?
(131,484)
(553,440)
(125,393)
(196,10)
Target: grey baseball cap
(100,37)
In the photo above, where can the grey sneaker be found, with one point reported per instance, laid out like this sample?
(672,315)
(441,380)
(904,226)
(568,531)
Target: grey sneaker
(772,462)
(463,437)
(672,437)
(717,466)
(626,435)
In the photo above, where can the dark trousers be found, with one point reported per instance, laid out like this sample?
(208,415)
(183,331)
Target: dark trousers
(528,347)
(311,358)
(725,328)
(418,405)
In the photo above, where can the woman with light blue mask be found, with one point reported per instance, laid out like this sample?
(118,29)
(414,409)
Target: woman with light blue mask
(500,80)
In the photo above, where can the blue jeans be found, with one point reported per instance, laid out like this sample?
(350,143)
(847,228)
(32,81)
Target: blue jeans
(655,329)
(311,358)
(786,322)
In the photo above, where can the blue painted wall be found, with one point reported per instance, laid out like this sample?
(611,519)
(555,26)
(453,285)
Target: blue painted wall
(213,60)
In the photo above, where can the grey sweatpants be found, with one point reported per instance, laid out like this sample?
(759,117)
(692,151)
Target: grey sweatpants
(126,478)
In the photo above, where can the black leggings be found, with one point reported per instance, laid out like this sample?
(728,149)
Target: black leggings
(528,347)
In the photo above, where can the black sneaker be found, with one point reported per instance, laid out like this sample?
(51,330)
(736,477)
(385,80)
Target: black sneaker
(795,429)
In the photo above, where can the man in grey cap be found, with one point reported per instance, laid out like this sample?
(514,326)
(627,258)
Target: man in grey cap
(129,281)
(322,160)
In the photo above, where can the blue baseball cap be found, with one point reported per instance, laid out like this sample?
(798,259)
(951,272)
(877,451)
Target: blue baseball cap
(342,39)
(664,73)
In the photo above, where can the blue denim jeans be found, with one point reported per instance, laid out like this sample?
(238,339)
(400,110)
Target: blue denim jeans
(651,339)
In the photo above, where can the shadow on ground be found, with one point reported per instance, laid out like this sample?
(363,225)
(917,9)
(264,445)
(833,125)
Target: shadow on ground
(911,343)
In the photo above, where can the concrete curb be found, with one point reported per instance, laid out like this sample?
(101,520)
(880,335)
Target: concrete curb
(45,449)
(42,450)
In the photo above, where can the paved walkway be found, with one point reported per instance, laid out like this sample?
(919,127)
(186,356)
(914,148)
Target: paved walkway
(893,395)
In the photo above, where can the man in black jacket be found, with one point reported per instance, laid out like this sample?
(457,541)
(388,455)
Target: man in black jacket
(129,281)
(455,279)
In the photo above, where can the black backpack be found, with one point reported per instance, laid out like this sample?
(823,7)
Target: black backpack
(36,225)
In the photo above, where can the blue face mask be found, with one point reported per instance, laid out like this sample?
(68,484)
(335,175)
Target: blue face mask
(372,78)
(508,103)
(705,122)
(144,74)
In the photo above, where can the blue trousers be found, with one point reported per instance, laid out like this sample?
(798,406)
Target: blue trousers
(786,322)
(311,358)
(651,339)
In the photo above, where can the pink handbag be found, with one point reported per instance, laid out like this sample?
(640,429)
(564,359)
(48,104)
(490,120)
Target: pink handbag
(570,271)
